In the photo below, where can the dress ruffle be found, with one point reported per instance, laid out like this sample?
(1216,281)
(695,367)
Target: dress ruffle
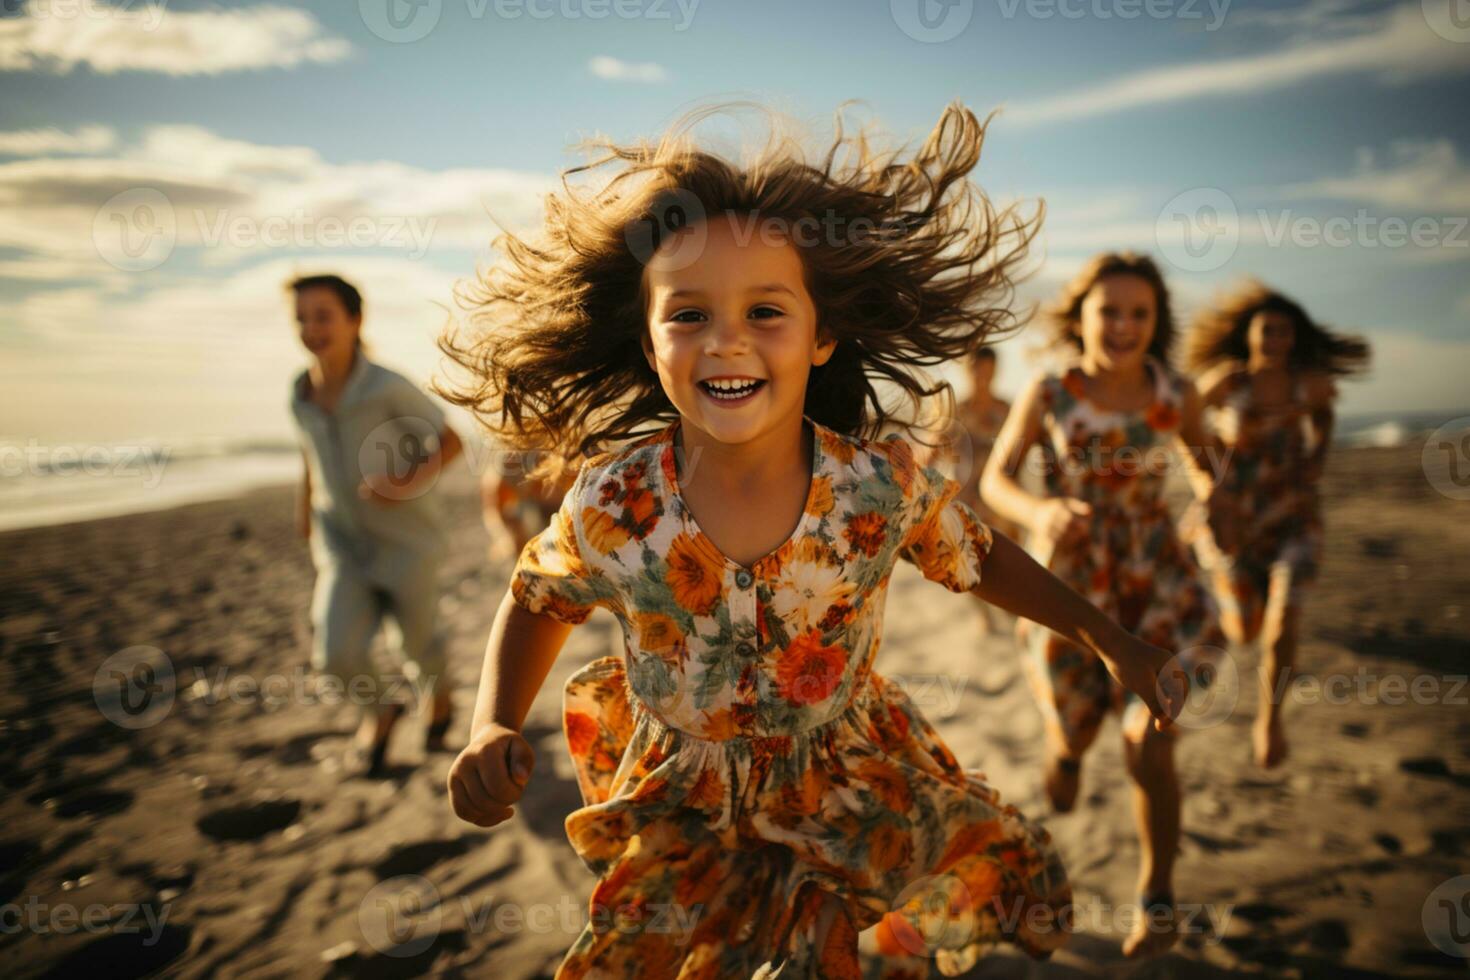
(729,843)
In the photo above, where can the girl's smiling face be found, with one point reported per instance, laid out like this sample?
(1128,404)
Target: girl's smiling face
(1271,335)
(1118,318)
(732,331)
(324,325)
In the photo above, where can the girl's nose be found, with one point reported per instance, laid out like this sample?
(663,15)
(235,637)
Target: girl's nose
(726,334)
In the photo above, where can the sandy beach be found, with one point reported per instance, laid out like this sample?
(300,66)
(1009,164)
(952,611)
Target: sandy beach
(214,833)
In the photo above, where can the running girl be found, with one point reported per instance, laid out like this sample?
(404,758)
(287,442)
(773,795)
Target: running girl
(1268,369)
(1104,424)
(755,792)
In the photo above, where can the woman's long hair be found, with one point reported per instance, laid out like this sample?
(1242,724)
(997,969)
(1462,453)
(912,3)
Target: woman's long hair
(922,271)
(1221,333)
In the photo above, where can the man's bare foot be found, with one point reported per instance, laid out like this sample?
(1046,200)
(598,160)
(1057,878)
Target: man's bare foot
(1062,779)
(1155,930)
(1269,740)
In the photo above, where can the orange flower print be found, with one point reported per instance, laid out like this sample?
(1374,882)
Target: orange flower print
(888,847)
(1075,384)
(809,672)
(838,448)
(708,790)
(660,636)
(900,722)
(581,733)
(1162,417)
(693,576)
(719,725)
(865,532)
(603,532)
(888,784)
(642,512)
(822,500)
(973,838)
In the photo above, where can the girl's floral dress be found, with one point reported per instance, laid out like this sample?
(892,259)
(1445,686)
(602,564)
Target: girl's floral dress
(1130,562)
(1265,476)
(743,756)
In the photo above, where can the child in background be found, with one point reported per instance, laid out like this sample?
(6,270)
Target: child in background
(1268,369)
(1103,424)
(515,508)
(977,420)
(755,792)
(373,445)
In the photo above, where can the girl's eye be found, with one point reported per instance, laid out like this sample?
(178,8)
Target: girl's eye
(687,316)
(766,312)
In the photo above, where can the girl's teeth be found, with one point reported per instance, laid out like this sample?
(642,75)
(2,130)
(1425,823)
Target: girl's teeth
(729,394)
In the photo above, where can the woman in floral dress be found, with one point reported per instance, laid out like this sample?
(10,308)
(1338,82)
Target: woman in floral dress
(755,793)
(1107,426)
(1267,369)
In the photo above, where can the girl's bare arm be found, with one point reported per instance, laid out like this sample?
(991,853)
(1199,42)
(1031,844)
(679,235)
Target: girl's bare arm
(999,486)
(1015,582)
(518,657)
(1200,449)
(1052,518)
(488,776)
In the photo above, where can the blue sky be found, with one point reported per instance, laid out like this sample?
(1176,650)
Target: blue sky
(1323,146)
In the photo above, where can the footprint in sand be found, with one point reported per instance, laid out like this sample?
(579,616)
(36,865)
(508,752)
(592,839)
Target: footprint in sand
(140,953)
(81,797)
(1434,767)
(251,821)
(413,859)
(15,856)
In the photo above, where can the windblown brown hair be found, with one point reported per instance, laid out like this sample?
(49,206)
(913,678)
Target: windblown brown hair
(554,357)
(1221,333)
(1065,312)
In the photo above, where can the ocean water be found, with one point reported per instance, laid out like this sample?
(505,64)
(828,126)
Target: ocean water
(51,483)
(44,483)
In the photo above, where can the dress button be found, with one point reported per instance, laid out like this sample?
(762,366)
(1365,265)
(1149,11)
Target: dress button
(745,648)
(743,578)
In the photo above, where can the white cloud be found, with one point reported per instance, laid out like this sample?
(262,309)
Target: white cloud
(88,337)
(197,356)
(1394,47)
(225,200)
(61,35)
(617,70)
(1425,176)
(35,142)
